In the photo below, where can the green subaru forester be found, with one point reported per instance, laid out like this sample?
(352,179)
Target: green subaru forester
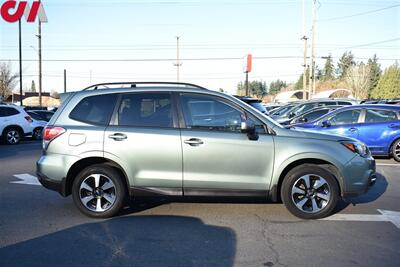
(111,142)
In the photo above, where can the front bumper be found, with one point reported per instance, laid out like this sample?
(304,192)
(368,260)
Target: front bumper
(359,176)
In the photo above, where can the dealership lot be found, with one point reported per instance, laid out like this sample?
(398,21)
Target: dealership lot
(40,228)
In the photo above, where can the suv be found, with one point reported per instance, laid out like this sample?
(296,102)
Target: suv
(15,123)
(179,139)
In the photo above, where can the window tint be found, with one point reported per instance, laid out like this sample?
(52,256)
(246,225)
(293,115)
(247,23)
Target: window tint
(146,110)
(328,103)
(306,107)
(8,111)
(94,109)
(343,103)
(346,117)
(313,115)
(35,116)
(204,112)
(376,115)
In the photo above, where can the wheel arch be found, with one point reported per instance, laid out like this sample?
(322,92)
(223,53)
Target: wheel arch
(13,126)
(275,190)
(87,162)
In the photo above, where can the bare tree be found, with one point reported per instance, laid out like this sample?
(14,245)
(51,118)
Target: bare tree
(8,80)
(357,79)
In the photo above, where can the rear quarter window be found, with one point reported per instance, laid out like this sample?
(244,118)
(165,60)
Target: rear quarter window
(94,109)
(8,111)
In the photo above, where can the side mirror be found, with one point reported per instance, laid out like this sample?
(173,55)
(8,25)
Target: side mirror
(326,124)
(291,114)
(250,130)
(302,120)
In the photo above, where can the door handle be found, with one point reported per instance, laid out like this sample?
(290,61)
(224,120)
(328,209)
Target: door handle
(118,136)
(353,130)
(194,142)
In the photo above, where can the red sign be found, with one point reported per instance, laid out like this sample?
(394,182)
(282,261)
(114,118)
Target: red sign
(12,11)
(248,62)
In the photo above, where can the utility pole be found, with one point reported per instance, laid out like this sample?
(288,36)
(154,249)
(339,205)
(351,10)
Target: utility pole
(65,80)
(247,84)
(312,65)
(20,62)
(40,61)
(177,64)
(304,38)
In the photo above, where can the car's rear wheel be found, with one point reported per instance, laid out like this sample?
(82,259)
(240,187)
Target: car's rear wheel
(98,191)
(37,133)
(310,192)
(396,150)
(12,136)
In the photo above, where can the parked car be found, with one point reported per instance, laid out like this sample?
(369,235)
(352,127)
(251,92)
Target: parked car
(283,109)
(303,107)
(254,102)
(177,139)
(15,123)
(271,106)
(378,126)
(311,115)
(38,124)
(44,115)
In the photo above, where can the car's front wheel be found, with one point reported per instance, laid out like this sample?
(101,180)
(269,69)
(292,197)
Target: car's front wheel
(310,191)
(98,191)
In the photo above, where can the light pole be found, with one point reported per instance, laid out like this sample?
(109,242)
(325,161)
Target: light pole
(177,64)
(20,62)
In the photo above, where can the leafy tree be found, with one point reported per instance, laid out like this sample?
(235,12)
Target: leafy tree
(389,84)
(8,80)
(329,69)
(276,86)
(345,62)
(33,86)
(256,88)
(375,73)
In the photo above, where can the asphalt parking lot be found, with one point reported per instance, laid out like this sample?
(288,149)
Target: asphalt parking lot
(40,228)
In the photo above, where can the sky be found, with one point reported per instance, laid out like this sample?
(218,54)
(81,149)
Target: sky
(135,40)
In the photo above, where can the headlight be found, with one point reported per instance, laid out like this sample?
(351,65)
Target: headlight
(357,147)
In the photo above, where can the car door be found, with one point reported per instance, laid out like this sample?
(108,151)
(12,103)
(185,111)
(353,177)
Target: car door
(143,139)
(217,157)
(344,123)
(379,129)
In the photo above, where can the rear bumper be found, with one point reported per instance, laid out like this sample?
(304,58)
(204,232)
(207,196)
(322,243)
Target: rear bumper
(58,186)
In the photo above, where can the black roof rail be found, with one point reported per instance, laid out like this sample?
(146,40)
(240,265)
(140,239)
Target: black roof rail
(134,84)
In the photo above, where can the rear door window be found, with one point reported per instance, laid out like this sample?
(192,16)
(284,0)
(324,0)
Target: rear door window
(377,115)
(146,110)
(94,109)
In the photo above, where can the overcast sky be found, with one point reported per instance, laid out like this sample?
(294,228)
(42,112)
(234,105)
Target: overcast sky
(139,37)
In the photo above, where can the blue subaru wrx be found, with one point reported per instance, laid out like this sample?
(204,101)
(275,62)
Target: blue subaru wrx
(378,126)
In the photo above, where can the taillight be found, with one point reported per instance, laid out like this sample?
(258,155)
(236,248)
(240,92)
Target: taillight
(28,118)
(52,132)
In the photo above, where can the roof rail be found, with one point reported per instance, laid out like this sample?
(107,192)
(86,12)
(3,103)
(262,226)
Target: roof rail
(134,84)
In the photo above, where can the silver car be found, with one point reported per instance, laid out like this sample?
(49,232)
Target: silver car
(105,145)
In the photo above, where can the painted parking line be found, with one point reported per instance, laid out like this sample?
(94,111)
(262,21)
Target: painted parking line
(26,178)
(388,164)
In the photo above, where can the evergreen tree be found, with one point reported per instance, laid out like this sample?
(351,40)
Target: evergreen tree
(389,84)
(299,83)
(329,69)
(276,86)
(256,88)
(375,73)
(345,62)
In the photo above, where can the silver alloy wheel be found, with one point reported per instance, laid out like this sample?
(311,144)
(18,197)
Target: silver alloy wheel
(13,137)
(97,193)
(397,150)
(311,193)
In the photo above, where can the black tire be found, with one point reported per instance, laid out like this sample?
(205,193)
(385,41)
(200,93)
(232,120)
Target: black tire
(295,179)
(396,150)
(12,136)
(37,133)
(106,174)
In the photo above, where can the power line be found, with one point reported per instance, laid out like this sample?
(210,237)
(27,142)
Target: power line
(368,44)
(359,14)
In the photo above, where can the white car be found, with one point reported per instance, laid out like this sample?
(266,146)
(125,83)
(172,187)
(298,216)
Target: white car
(15,123)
